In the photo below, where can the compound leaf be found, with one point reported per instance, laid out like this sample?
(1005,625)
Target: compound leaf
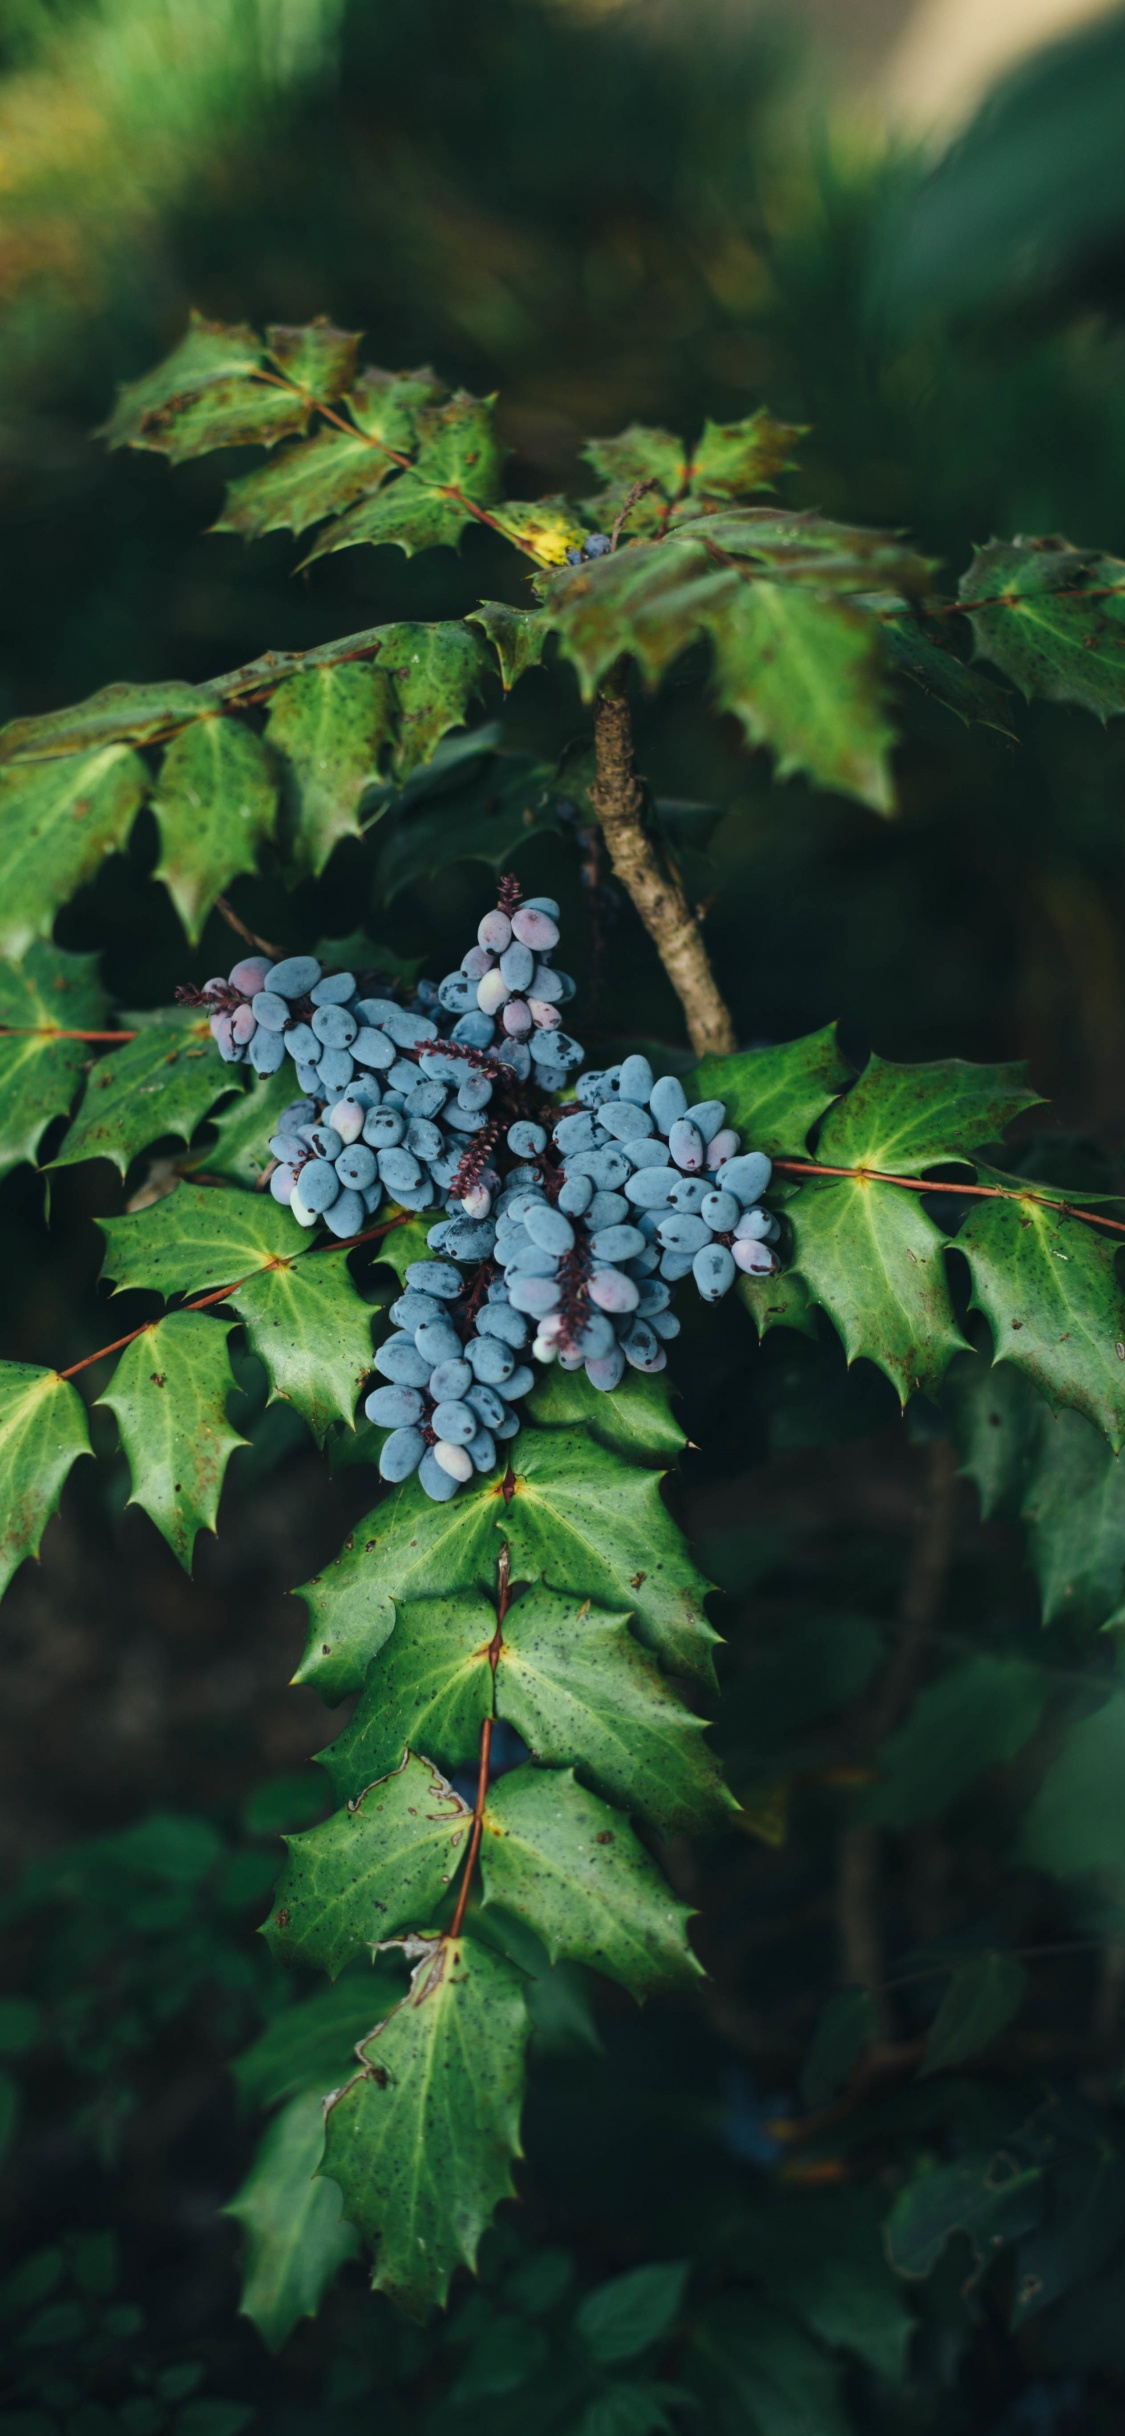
(317,357)
(58,819)
(570,1677)
(379,1866)
(421,2142)
(642,453)
(296,2239)
(215,803)
(328,727)
(572,1868)
(42,1434)
(774,1097)
(169,1397)
(197,1237)
(457,468)
(207,394)
(1048,1287)
(163,1082)
(302,484)
(308,1324)
(47,993)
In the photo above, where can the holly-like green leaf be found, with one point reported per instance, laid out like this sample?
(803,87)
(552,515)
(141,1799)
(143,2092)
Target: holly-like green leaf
(731,459)
(208,393)
(902,1119)
(311,2045)
(310,1327)
(652,600)
(168,1395)
(805,549)
(46,993)
(421,2142)
(458,463)
(996,1419)
(296,2239)
(196,1238)
(876,1264)
(119,714)
(1049,1289)
(976,1715)
(42,1434)
(517,637)
(572,1868)
(1074,1508)
(408,1548)
(580,1519)
(643,453)
(805,675)
(58,819)
(304,483)
(317,357)
(437,671)
(215,803)
(979,2002)
(388,405)
(569,1676)
(1052,619)
(161,1083)
(241,1152)
(914,652)
(781,1301)
(636,1421)
(774,1097)
(328,728)
(379,1866)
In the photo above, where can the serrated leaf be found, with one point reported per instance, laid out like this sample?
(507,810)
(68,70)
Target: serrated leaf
(573,1870)
(1048,1287)
(319,358)
(296,2239)
(544,529)
(42,1434)
(1073,1505)
(207,394)
(311,1329)
(168,1395)
(311,2044)
(905,1118)
(731,459)
(876,1264)
(437,671)
(46,991)
(408,1547)
(996,1420)
(458,462)
(846,2027)
(118,714)
(579,1518)
(163,1082)
(1052,620)
(58,820)
(241,1153)
(979,2002)
(383,1864)
(935,668)
(805,549)
(388,405)
(642,453)
(210,351)
(421,2142)
(215,803)
(636,1421)
(328,728)
(979,1713)
(782,1301)
(805,675)
(774,1097)
(517,636)
(570,1677)
(651,599)
(311,479)
(196,1237)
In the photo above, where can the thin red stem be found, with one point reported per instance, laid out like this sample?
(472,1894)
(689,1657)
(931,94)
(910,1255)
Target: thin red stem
(974,1192)
(56,1031)
(504,1574)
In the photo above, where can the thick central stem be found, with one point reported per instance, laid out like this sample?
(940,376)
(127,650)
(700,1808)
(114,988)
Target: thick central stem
(657,893)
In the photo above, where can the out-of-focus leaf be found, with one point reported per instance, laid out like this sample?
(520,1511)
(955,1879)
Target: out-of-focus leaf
(215,803)
(620,2319)
(42,1433)
(992,2197)
(1076,1823)
(731,459)
(916,653)
(847,2025)
(295,2235)
(58,819)
(805,675)
(979,2002)
(503,802)
(311,2045)
(319,358)
(978,1714)
(48,991)
(1054,621)
(517,636)
(205,395)
(168,1395)
(458,462)
(544,529)
(119,714)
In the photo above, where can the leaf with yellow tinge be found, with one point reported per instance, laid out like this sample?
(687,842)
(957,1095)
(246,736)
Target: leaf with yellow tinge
(215,803)
(163,1082)
(569,1676)
(46,993)
(573,1870)
(731,459)
(296,2239)
(169,1397)
(315,355)
(205,395)
(383,1864)
(198,1237)
(308,1324)
(545,529)
(1049,1288)
(805,674)
(58,820)
(875,1263)
(773,1097)
(421,2142)
(42,1434)
(328,728)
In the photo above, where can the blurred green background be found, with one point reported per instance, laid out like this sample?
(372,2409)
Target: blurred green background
(651,211)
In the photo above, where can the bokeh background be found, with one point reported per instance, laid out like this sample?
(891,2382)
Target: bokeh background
(903,226)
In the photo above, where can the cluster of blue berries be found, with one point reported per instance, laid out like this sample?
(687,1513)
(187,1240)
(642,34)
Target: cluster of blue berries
(576,1223)
(596,545)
